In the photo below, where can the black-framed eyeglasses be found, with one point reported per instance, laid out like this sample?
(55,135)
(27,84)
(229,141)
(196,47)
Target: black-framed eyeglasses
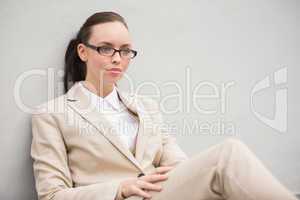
(110,51)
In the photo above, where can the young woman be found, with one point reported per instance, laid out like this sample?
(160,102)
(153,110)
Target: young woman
(98,143)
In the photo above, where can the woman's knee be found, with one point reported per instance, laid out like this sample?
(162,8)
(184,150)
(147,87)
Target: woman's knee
(234,142)
(235,145)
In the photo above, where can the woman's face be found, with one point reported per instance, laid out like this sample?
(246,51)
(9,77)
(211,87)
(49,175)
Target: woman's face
(110,34)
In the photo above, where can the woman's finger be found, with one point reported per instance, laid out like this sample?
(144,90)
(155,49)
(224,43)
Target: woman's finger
(138,191)
(163,170)
(130,187)
(149,186)
(152,178)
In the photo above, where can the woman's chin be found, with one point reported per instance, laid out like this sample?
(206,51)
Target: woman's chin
(113,80)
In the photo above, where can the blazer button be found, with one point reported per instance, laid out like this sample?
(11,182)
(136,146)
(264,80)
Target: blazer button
(141,174)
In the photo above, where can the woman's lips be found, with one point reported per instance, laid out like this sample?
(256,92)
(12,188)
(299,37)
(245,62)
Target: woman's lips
(114,71)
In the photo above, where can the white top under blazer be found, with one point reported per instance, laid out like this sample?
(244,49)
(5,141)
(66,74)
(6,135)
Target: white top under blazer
(122,120)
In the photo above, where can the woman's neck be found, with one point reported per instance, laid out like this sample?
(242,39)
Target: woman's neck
(101,90)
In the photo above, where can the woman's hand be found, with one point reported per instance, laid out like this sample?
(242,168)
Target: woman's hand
(162,170)
(142,185)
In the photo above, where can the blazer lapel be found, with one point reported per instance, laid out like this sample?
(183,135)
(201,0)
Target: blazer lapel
(144,129)
(80,103)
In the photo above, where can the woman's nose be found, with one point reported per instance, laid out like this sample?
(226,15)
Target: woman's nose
(116,58)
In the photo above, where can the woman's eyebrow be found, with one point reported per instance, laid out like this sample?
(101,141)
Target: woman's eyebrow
(110,44)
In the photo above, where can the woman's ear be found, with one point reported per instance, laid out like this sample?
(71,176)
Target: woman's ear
(82,52)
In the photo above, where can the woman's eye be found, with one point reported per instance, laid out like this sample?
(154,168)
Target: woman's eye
(126,51)
(106,49)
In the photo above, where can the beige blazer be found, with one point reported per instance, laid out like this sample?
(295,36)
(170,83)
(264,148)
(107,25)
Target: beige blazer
(77,154)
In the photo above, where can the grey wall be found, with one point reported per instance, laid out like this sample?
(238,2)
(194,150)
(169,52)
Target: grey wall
(183,43)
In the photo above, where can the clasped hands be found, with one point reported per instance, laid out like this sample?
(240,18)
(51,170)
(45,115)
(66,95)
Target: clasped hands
(141,186)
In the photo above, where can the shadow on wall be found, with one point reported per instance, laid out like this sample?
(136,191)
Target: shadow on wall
(20,171)
(28,168)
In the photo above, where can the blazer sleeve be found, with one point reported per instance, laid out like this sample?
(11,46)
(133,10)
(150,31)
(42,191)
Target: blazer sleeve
(171,154)
(50,166)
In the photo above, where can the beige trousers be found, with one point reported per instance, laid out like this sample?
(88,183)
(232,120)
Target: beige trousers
(228,170)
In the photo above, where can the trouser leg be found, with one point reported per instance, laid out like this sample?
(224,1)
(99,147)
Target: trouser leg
(228,170)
